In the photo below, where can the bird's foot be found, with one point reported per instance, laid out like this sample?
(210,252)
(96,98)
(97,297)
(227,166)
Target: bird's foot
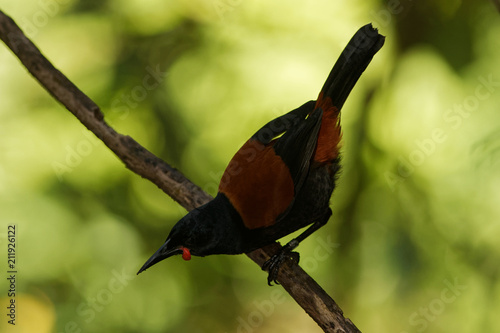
(274,263)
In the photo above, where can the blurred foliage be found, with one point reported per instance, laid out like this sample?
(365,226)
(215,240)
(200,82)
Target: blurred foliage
(413,243)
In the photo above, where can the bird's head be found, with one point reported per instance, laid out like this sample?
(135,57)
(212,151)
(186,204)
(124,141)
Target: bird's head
(194,234)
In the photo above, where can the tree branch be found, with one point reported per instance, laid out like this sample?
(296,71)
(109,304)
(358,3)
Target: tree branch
(306,292)
(135,157)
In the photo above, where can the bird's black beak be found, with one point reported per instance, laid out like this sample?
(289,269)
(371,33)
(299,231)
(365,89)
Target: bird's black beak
(163,253)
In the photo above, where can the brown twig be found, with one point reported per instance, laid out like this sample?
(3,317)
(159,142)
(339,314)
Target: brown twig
(135,157)
(307,293)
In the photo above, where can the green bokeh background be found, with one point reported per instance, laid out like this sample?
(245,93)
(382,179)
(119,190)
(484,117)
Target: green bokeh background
(413,245)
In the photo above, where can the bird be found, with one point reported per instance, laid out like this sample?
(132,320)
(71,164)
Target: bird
(281,179)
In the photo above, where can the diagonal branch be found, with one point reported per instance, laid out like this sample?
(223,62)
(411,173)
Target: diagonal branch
(306,292)
(135,157)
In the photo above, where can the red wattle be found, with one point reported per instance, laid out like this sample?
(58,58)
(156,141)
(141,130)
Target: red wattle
(186,255)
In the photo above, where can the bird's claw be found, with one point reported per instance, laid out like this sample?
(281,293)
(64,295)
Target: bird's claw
(274,263)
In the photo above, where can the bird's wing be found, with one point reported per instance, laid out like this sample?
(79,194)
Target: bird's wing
(262,179)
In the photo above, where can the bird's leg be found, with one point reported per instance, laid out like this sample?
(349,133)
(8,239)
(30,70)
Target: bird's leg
(274,263)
